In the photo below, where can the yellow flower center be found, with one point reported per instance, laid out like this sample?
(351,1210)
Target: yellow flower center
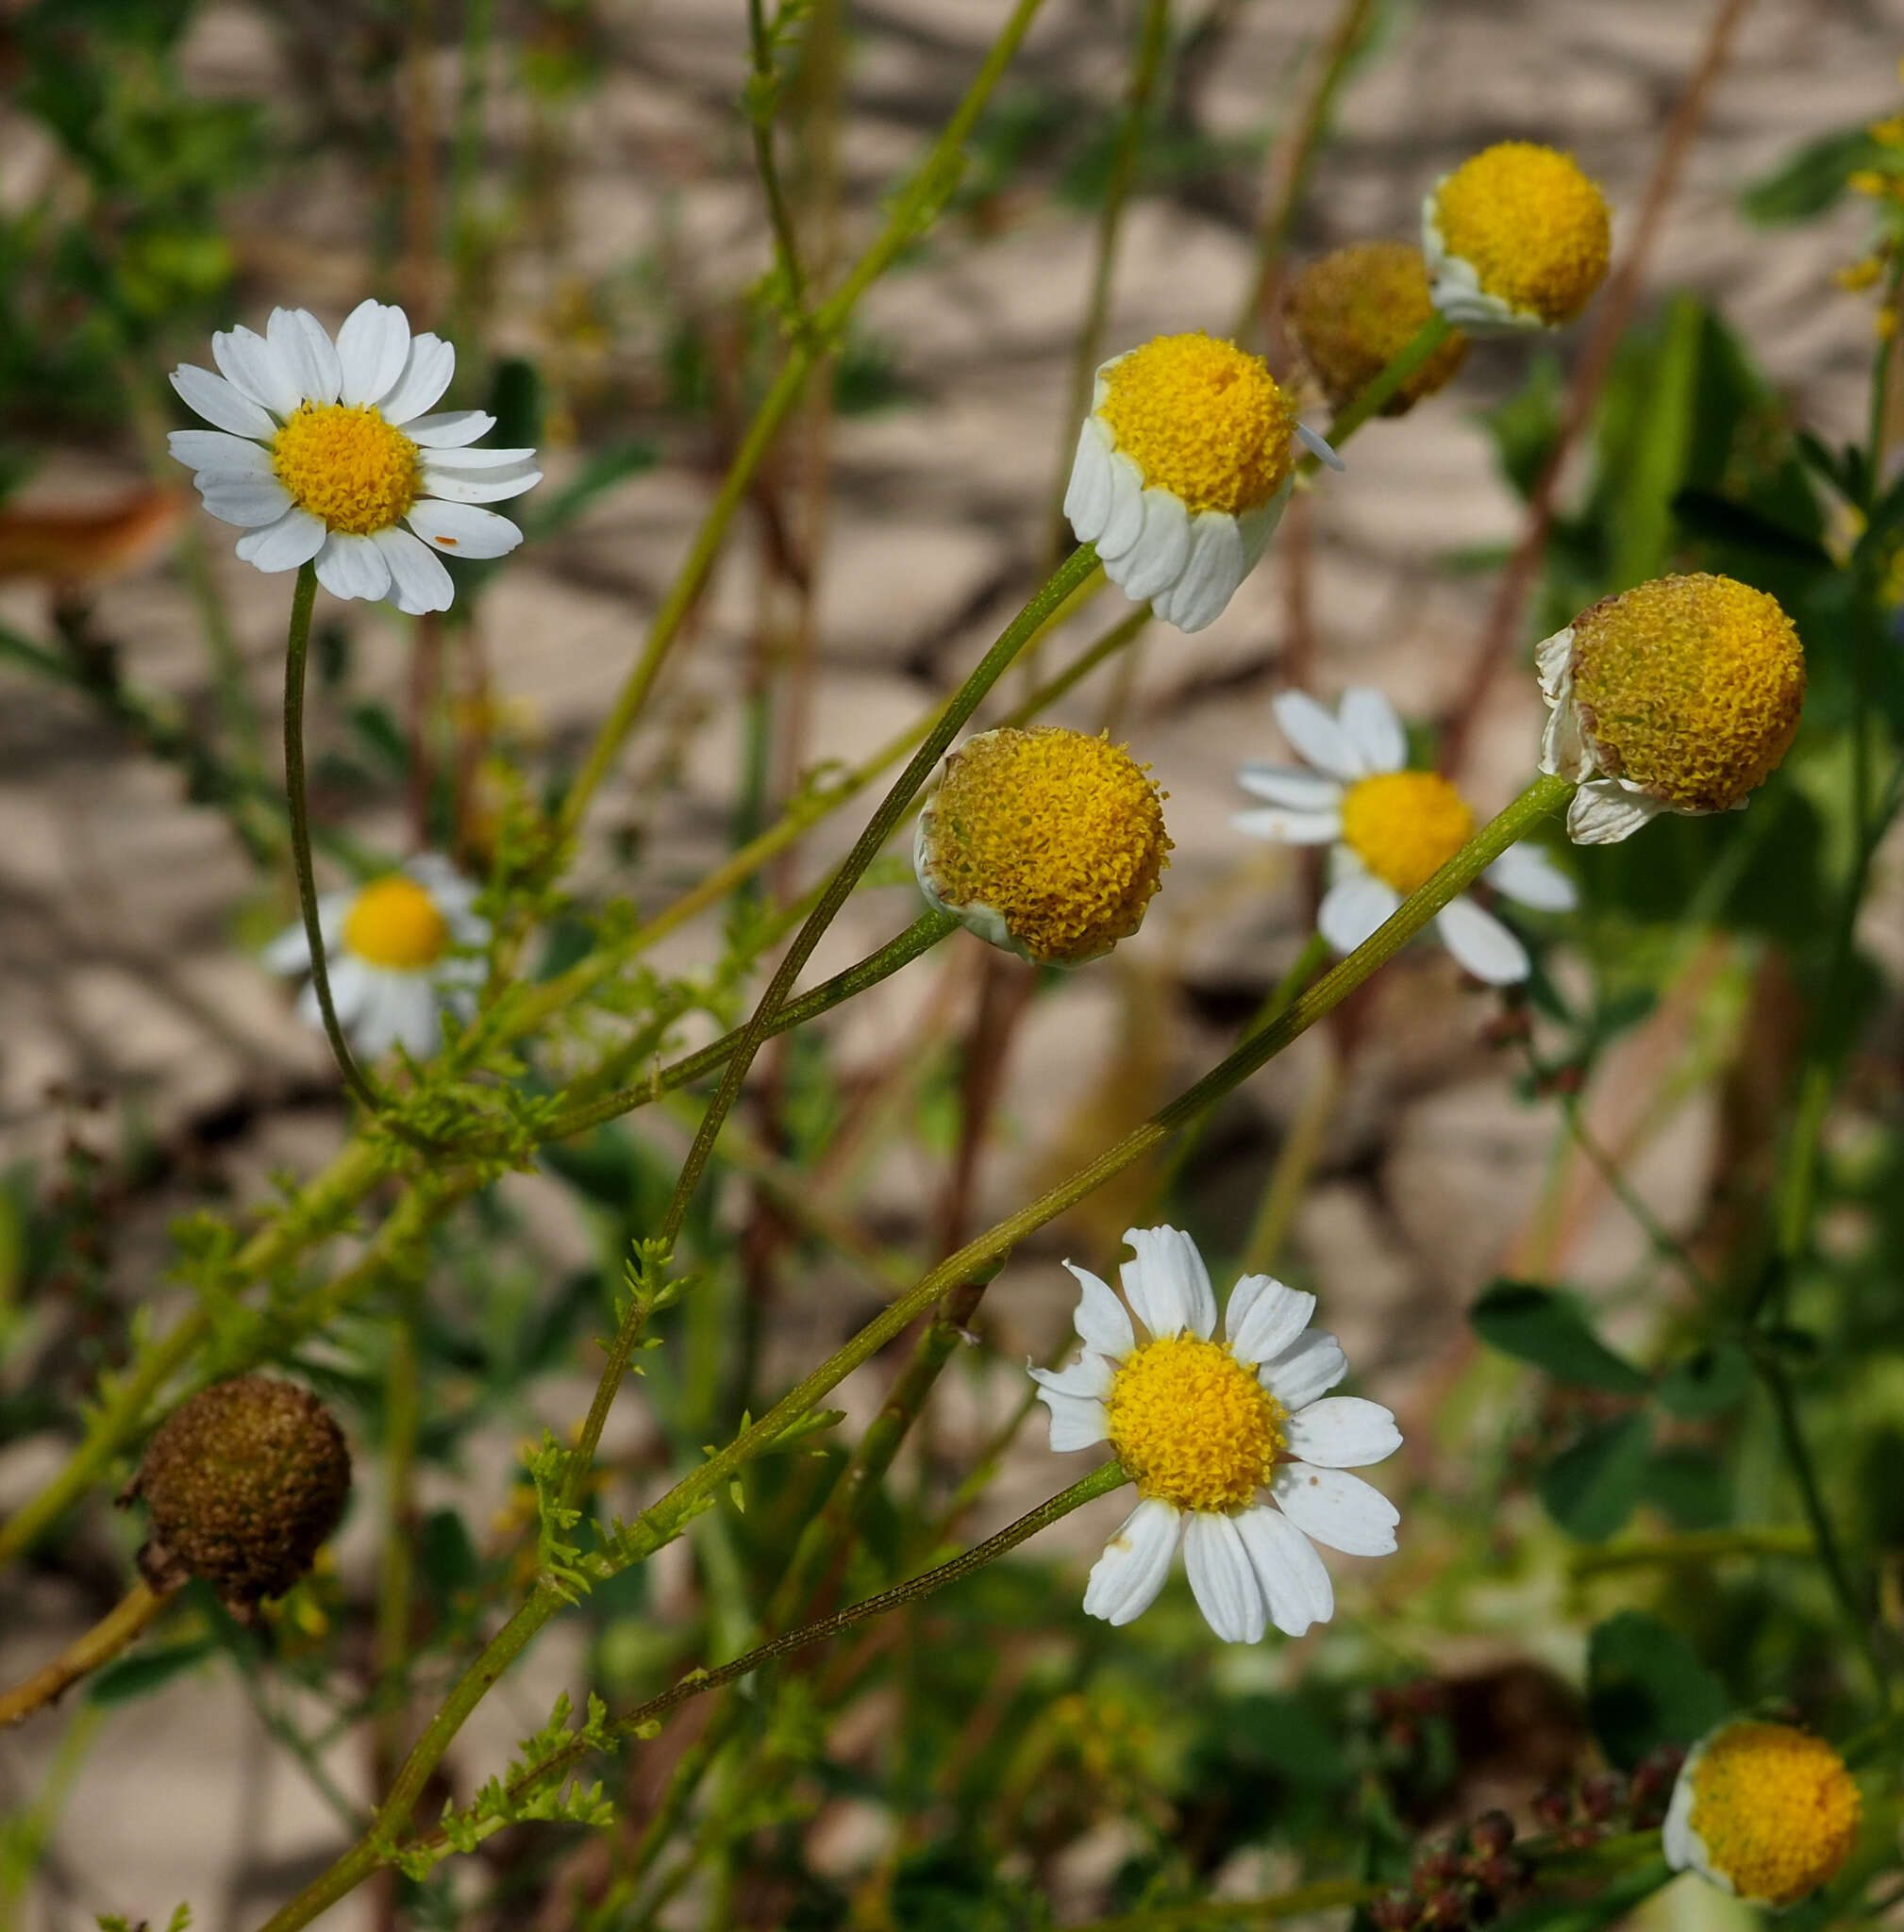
(1192,1425)
(1203,419)
(1531,227)
(1405,825)
(1690,687)
(1060,835)
(1776,1809)
(1355,309)
(348,467)
(395,924)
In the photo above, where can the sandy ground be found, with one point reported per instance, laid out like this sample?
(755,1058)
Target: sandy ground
(119,903)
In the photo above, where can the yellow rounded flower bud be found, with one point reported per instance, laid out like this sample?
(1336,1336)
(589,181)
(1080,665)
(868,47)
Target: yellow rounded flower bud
(1764,1811)
(1516,238)
(1353,310)
(1679,695)
(1044,841)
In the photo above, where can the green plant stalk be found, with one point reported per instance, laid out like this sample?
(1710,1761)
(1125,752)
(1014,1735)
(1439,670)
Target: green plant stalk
(913,210)
(1401,365)
(296,647)
(1694,1548)
(885,819)
(663,1520)
(761,125)
(1294,1162)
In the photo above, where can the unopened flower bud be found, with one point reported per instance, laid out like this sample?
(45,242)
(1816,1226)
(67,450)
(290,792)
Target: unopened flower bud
(1353,310)
(242,1485)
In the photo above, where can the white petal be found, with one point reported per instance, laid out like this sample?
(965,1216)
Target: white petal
(425,375)
(460,530)
(305,348)
(451,488)
(1373,728)
(1318,737)
(1481,943)
(1684,1848)
(1255,528)
(1342,1432)
(1087,495)
(246,501)
(1552,659)
(213,398)
(372,348)
(1101,1321)
(295,538)
(1528,874)
(1604,812)
(453,429)
(1289,827)
(420,583)
(1295,1584)
(1309,1368)
(1319,447)
(253,366)
(402,1012)
(1167,1284)
(1565,750)
(1222,1578)
(213,451)
(458,462)
(1156,559)
(351,566)
(1266,1317)
(1090,1374)
(1077,1422)
(1336,1509)
(1124,521)
(290,952)
(1218,563)
(1291,787)
(1125,1579)
(1354,908)
(352,986)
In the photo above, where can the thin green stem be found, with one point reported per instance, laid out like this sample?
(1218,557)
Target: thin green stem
(1401,365)
(762,96)
(296,647)
(1294,1162)
(885,819)
(913,210)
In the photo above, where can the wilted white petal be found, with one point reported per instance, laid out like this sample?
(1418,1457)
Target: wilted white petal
(1124,522)
(1218,563)
(1604,812)
(1156,559)
(1087,495)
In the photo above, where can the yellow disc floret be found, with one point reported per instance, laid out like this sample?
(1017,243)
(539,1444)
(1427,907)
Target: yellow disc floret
(348,467)
(1058,835)
(1405,825)
(395,924)
(1202,420)
(1531,227)
(1689,687)
(1774,1808)
(1355,309)
(1192,1425)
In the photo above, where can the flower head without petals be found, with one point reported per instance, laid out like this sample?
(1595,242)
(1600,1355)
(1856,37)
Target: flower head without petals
(1516,238)
(1682,694)
(1046,841)
(1182,469)
(1204,1426)
(1764,1811)
(321,451)
(1353,310)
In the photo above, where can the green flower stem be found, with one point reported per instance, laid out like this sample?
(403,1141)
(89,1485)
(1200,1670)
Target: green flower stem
(884,821)
(296,647)
(84,1655)
(646,1718)
(1693,1548)
(759,105)
(913,210)
(919,937)
(1294,1162)
(1401,365)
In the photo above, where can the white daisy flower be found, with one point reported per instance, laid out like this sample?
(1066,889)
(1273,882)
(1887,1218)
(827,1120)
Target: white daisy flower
(1392,830)
(1201,1425)
(393,950)
(323,451)
(1182,471)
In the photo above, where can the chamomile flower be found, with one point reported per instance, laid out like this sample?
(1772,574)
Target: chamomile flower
(322,450)
(1202,1427)
(397,952)
(1764,1811)
(1353,310)
(1682,694)
(1182,470)
(1516,238)
(1392,830)
(1046,841)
